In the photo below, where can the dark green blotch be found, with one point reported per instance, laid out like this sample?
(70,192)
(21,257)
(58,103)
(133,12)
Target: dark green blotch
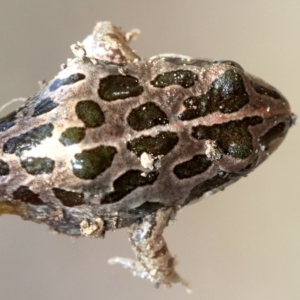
(145,209)
(227,94)
(197,165)
(233,137)
(90,113)
(4,168)
(72,135)
(114,87)
(24,194)
(44,106)
(265,90)
(146,116)
(8,121)
(38,165)
(28,140)
(90,163)
(161,144)
(184,78)
(274,133)
(57,83)
(210,185)
(69,198)
(128,182)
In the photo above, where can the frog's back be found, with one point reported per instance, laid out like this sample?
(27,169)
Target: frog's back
(115,140)
(119,141)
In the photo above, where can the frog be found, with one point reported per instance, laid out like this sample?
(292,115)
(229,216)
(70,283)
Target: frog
(115,140)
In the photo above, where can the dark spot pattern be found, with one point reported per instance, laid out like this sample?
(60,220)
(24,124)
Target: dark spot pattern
(146,116)
(28,140)
(90,163)
(72,135)
(44,106)
(210,185)
(128,182)
(195,166)
(69,198)
(24,194)
(184,78)
(145,209)
(57,83)
(38,165)
(233,137)
(114,87)
(264,90)
(8,121)
(274,133)
(161,144)
(90,113)
(187,61)
(227,94)
(4,168)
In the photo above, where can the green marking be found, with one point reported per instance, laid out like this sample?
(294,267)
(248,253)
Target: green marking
(90,113)
(69,198)
(114,87)
(184,78)
(145,208)
(72,136)
(227,94)
(24,194)
(161,144)
(146,116)
(90,163)
(234,137)
(197,165)
(211,185)
(265,90)
(38,165)
(275,132)
(28,140)
(44,106)
(57,83)
(128,182)
(4,168)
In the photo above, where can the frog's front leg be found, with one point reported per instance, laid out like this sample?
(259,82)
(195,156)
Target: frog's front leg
(109,43)
(154,260)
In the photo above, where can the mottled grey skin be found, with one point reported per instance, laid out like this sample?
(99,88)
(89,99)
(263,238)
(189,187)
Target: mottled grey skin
(118,185)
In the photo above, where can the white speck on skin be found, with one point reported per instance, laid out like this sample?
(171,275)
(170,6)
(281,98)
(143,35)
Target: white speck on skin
(150,162)
(262,147)
(212,150)
(94,228)
(147,161)
(78,50)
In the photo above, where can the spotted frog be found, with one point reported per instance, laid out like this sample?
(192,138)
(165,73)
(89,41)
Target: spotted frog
(115,140)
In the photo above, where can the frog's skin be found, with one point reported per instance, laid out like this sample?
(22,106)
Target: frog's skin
(115,141)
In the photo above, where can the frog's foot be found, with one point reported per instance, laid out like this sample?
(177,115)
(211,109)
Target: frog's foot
(154,260)
(165,280)
(109,43)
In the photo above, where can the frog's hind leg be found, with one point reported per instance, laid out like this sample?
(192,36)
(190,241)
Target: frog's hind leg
(154,260)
